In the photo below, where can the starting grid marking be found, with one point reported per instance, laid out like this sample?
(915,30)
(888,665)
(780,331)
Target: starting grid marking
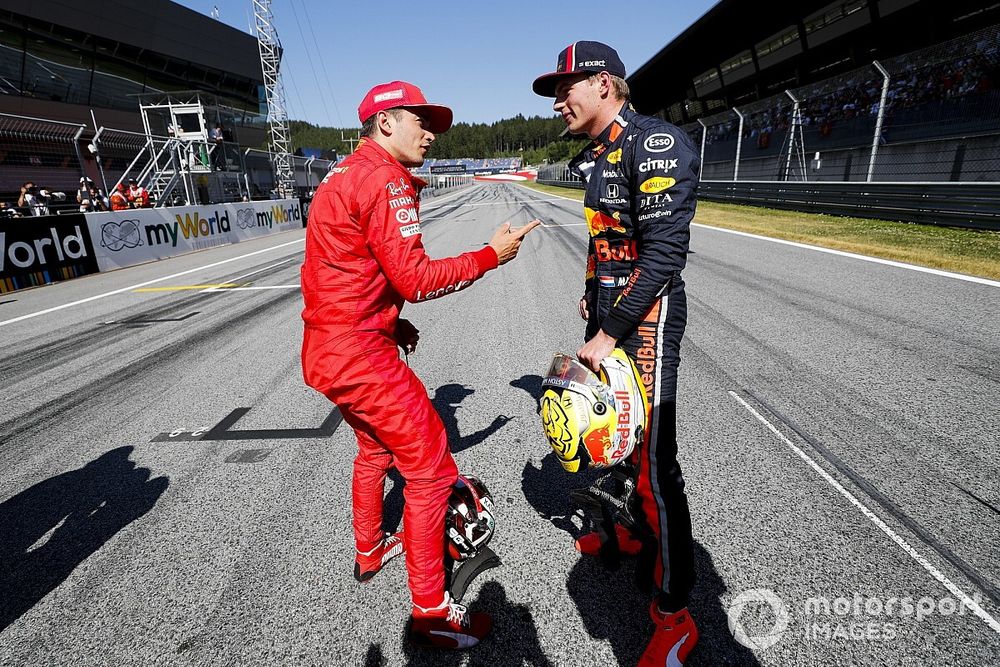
(224,431)
(875,519)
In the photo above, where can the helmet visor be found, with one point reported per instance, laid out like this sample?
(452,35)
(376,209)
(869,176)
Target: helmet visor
(566,371)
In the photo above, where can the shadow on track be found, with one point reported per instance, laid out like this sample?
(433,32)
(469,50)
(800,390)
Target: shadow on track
(533,385)
(610,604)
(50,528)
(514,640)
(446,401)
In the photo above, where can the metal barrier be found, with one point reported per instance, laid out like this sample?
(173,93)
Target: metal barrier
(969,205)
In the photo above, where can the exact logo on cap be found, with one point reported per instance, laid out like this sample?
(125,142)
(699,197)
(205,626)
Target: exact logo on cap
(580,56)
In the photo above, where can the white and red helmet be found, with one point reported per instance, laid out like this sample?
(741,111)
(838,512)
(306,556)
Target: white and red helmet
(469,520)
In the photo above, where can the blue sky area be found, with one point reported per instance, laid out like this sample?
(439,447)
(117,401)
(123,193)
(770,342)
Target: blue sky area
(479,58)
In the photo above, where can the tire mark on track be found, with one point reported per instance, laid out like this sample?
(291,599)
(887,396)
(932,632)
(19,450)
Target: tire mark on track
(61,406)
(32,361)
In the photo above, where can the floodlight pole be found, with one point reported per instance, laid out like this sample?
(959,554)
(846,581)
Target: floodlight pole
(881,118)
(739,145)
(704,133)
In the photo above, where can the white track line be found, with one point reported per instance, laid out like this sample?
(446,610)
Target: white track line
(148,282)
(864,258)
(174,275)
(893,535)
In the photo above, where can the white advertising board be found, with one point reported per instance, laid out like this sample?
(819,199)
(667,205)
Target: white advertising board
(135,236)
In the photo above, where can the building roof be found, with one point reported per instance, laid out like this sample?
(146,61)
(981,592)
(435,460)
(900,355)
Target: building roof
(870,30)
(160,26)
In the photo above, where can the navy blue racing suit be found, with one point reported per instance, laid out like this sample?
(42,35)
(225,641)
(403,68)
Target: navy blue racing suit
(642,177)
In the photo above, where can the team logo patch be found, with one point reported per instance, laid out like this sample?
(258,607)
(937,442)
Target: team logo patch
(615,156)
(601,222)
(657,184)
(658,143)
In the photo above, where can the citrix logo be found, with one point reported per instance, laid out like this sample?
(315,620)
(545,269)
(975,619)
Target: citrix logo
(650,164)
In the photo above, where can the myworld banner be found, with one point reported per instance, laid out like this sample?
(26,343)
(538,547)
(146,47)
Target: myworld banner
(126,238)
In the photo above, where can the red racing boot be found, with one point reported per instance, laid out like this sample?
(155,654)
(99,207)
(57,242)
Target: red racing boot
(590,543)
(449,625)
(674,637)
(367,564)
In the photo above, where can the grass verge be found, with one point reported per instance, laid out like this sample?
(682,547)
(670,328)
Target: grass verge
(968,251)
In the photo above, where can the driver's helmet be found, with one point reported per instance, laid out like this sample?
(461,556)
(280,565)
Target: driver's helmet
(469,521)
(593,421)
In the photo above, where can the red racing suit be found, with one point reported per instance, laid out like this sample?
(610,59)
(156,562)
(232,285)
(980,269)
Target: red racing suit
(363,259)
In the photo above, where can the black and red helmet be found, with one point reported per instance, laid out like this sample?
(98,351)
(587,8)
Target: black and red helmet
(469,520)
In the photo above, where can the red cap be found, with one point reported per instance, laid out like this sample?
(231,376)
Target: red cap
(396,94)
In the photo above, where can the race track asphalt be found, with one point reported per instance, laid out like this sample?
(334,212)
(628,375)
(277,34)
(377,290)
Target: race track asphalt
(837,423)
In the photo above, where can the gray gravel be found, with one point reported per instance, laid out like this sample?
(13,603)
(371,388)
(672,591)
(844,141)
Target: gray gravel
(118,550)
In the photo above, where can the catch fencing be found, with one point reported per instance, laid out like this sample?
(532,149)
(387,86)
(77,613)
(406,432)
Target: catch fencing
(930,115)
(45,152)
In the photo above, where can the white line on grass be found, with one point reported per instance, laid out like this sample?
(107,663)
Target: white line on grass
(865,258)
(148,282)
(893,535)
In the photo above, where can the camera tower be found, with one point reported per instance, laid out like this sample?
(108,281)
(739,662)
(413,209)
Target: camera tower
(277,116)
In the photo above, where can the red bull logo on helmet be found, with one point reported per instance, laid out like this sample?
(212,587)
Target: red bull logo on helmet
(598,442)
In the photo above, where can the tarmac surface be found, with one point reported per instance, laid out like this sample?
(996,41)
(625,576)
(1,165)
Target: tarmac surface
(171,493)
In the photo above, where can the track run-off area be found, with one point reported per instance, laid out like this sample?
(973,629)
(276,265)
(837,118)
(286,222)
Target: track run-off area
(171,493)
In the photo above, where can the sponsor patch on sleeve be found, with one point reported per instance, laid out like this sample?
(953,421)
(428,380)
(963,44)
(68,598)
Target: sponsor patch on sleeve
(410,230)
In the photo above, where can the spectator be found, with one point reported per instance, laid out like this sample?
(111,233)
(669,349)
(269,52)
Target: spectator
(119,200)
(8,211)
(22,198)
(217,137)
(98,201)
(138,196)
(36,200)
(84,196)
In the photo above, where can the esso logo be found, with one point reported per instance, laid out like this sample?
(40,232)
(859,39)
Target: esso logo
(406,215)
(658,143)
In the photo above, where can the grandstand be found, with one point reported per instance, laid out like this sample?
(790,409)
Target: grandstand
(69,69)
(786,45)
(475,166)
(856,107)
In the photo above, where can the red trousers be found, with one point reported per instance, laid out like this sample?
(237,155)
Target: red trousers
(396,425)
